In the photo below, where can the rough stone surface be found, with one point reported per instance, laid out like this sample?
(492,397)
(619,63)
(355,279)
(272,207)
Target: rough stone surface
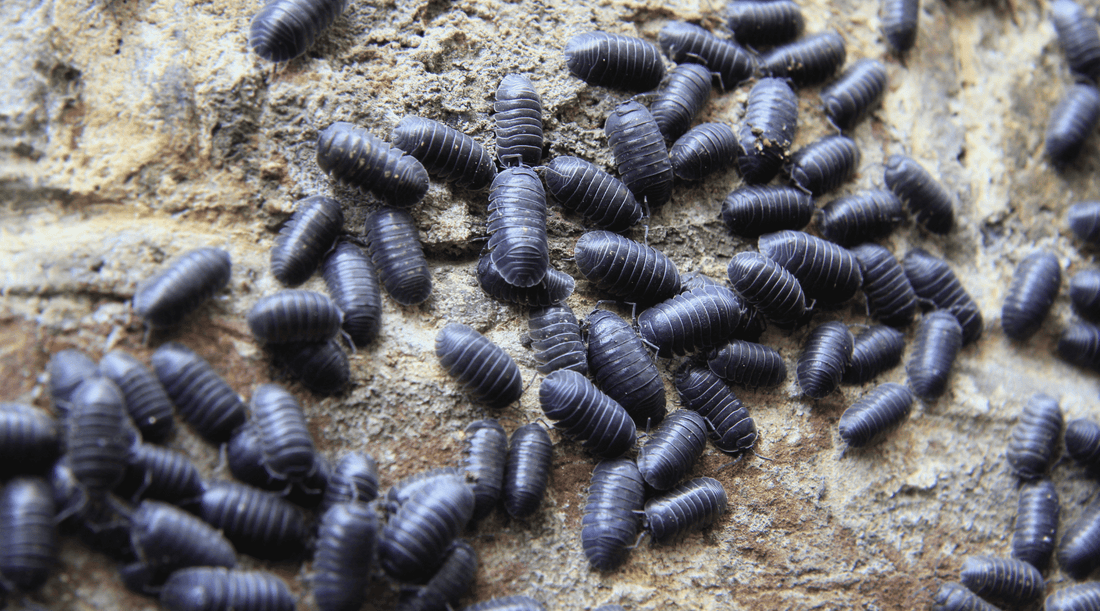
(134,130)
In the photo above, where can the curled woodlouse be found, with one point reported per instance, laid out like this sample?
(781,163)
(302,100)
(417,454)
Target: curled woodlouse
(445,152)
(691,321)
(182,286)
(27,529)
(394,244)
(221,589)
(704,150)
(167,538)
(807,61)
(876,349)
(582,412)
(305,238)
(610,523)
(1071,123)
(693,505)
(861,217)
(202,397)
(98,438)
(413,541)
(1079,549)
(899,23)
(481,367)
(764,23)
(345,556)
(285,29)
(556,338)
(768,129)
(353,285)
(354,480)
(686,42)
(626,269)
(932,279)
(955,597)
(825,164)
(614,60)
(355,157)
(935,347)
(1036,522)
(670,452)
(1031,444)
(449,583)
(508,603)
(146,400)
(320,366)
(852,95)
(518,243)
(483,456)
(1084,293)
(1002,578)
(159,473)
(751,211)
(827,353)
(774,291)
(527,470)
(928,200)
(1084,221)
(1078,597)
(732,429)
(294,315)
(680,99)
(68,369)
(747,363)
(602,199)
(1083,442)
(825,271)
(874,413)
(29,439)
(623,369)
(640,153)
(890,297)
(283,430)
(518,121)
(1078,36)
(1034,287)
(258,523)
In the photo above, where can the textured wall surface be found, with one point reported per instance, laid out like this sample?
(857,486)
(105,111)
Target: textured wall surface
(134,130)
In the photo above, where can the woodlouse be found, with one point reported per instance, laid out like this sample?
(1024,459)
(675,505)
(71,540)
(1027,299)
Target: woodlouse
(294,315)
(691,321)
(955,597)
(1071,123)
(624,268)
(1031,444)
(413,541)
(445,152)
(1036,523)
(354,480)
(221,589)
(680,99)
(202,397)
(1031,294)
(582,412)
(935,347)
(1078,597)
(518,243)
(554,287)
(556,338)
(1079,549)
(285,29)
(640,153)
(146,400)
(748,364)
(98,438)
(394,244)
(807,61)
(167,538)
(875,349)
(402,491)
(861,217)
(602,199)
(355,157)
(614,60)
(899,23)
(353,285)
(854,93)
(825,271)
(764,23)
(754,210)
(527,470)
(823,360)
(68,369)
(928,200)
(623,369)
(686,42)
(153,472)
(1084,293)
(610,522)
(29,439)
(1080,345)
(772,290)
(704,150)
(320,366)
(732,429)
(483,456)
(258,523)
(693,505)
(182,286)
(305,238)
(1083,442)
(508,603)
(449,583)
(932,279)
(672,449)
(874,413)
(768,129)
(1084,221)
(344,558)
(27,529)
(481,367)
(824,164)
(1078,36)
(890,296)
(1001,578)
(518,121)
(283,430)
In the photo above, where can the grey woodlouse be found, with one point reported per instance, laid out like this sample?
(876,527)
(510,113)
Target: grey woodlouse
(875,349)
(518,121)
(691,321)
(518,243)
(748,364)
(305,238)
(691,506)
(259,523)
(98,439)
(283,430)
(508,603)
(732,429)
(825,271)
(394,244)
(1002,578)
(824,164)
(1079,549)
(556,338)
(640,153)
(774,291)
(626,269)
(955,597)
(27,529)
(402,491)
(1084,293)
(610,522)
(1078,597)
(935,347)
(30,439)
(182,286)
(167,538)
(861,217)
(1080,345)
(705,149)
(1071,123)
(320,366)
(886,406)
(614,60)
(294,315)
(602,199)
(890,297)
(807,61)
(1083,442)
(159,473)
(1034,287)
(754,210)
(622,368)
(355,157)
(483,454)
(445,152)
(68,369)
(344,558)
(764,23)
(353,285)
(768,129)
(827,353)
(527,470)
(449,583)
(354,480)
(285,29)
(928,200)
(932,279)
(1084,221)
(580,411)
(854,93)
(1031,444)
(221,589)
(245,458)
(899,23)
(751,324)
(680,99)
(1036,523)
(669,453)
(203,398)
(481,367)
(686,42)
(146,400)
(413,541)
(1078,37)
